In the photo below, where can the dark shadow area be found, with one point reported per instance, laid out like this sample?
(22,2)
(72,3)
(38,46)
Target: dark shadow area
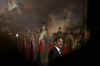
(10,56)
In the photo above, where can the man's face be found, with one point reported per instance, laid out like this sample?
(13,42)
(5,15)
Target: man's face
(60,43)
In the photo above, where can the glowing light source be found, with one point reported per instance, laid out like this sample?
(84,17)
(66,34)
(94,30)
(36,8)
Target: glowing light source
(17,35)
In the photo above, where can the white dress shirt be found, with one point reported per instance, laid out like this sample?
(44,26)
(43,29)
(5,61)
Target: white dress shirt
(58,49)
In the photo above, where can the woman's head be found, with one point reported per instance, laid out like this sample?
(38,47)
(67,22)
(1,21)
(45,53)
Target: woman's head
(43,27)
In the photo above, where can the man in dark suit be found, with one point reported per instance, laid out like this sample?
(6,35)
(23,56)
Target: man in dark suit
(57,50)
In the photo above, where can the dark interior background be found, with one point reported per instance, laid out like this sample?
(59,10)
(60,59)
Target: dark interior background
(34,12)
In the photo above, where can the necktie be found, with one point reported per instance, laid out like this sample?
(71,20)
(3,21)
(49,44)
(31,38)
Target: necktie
(60,53)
